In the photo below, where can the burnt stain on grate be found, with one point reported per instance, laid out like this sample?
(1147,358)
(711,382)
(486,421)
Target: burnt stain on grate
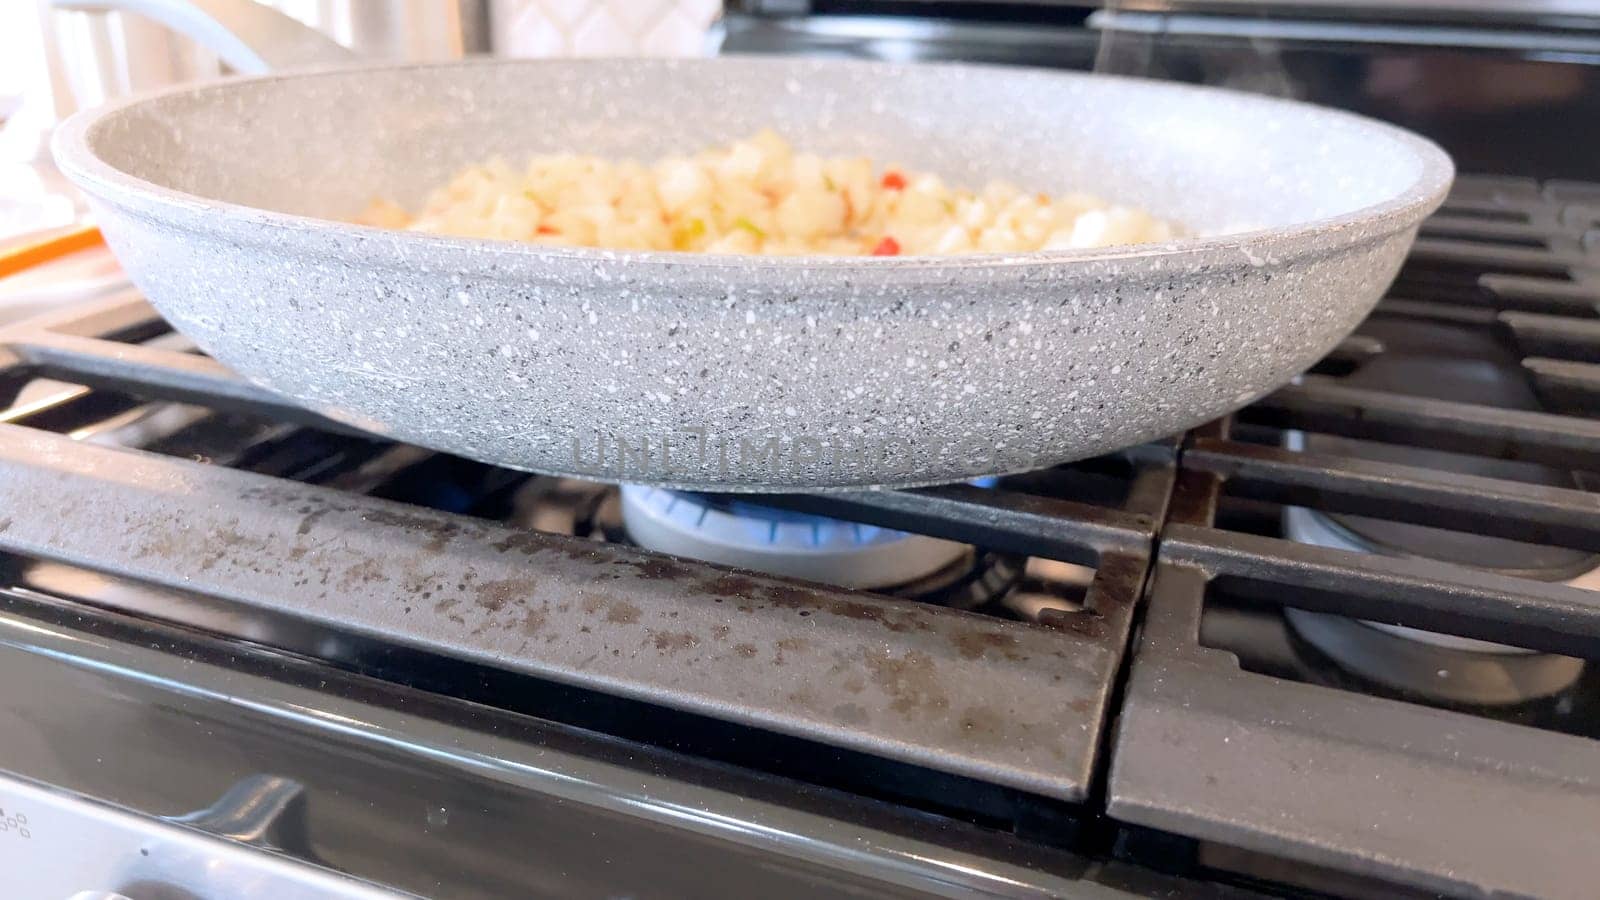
(439,533)
(910,680)
(730,586)
(621,612)
(670,642)
(973,645)
(657,569)
(1120,580)
(367,571)
(494,595)
(1085,623)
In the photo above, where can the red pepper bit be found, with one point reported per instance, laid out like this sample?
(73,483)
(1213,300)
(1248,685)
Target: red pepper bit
(887,247)
(893,181)
(546,229)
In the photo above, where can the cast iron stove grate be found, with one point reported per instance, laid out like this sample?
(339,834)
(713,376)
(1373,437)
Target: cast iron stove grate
(1292,773)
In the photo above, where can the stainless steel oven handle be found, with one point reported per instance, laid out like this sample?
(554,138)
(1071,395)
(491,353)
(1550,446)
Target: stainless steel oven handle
(250,38)
(267,811)
(80,848)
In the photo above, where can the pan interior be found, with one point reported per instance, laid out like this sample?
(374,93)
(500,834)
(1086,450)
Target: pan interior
(325,144)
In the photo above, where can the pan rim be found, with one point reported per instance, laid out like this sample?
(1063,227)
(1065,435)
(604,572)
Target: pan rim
(75,156)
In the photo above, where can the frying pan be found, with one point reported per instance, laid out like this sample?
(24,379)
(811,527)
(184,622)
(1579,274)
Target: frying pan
(227,203)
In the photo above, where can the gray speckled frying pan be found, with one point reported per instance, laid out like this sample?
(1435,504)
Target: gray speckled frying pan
(227,205)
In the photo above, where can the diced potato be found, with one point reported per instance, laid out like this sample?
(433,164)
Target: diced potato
(955,239)
(921,206)
(810,214)
(997,239)
(759,196)
(1105,227)
(682,184)
(737,241)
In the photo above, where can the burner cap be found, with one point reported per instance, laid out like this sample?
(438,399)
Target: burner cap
(743,533)
(1391,538)
(1486,380)
(1440,666)
(1467,365)
(1427,669)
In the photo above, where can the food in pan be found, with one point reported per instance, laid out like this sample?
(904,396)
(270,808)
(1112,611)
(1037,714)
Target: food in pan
(759,196)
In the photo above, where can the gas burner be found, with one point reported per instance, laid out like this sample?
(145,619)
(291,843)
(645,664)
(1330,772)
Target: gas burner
(736,532)
(741,532)
(1439,667)
(1447,364)
(747,534)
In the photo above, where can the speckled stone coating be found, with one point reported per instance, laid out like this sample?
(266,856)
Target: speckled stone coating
(750,373)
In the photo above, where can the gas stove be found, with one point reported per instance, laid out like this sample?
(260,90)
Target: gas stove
(1291,651)
(1337,644)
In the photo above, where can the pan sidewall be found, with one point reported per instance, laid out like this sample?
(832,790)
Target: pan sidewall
(813,380)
